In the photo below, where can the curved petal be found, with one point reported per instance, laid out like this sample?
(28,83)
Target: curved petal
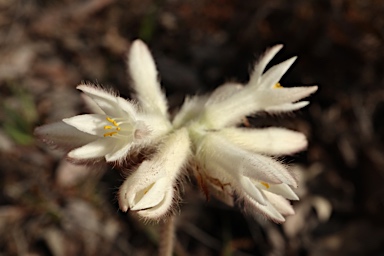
(262,63)
(151,196)
(273,97)
(95,149)
(287,107)
(159,210)
(275,73)
(271,141)
(105,100)
(90,123)
(280,189)
(281,204)
(143,73)
(119,151)
(267,210)
(63,135)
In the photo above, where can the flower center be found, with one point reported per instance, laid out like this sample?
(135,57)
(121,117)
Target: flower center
(114,126)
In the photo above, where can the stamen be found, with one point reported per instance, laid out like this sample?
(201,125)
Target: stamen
(108,127)
(278,85)
(109,134)
(265,184)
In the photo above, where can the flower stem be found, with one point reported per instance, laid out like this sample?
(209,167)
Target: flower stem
(167,236)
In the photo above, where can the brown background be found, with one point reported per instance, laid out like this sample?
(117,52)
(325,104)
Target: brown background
(49,207)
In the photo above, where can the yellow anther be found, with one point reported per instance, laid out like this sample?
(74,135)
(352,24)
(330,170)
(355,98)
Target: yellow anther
(107,127)
(118,128)
(265,184)
(278,85)
(109,134)
(112,121)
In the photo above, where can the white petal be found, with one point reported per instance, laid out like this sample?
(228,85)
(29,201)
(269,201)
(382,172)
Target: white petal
(265,168)
(287,107)
(280,189)
(63,135)
(231,110)
(223,92)
(106,101)
(272,97)
(119,151)
(216,151)
(262,63)
(281,204)
(91,123)
(143,73)
(271,141)
(248,187)
(165,165)
(159,210)
(91,104)
(152,195)
(267,210)
(275,73)
(191,109)
(95,149)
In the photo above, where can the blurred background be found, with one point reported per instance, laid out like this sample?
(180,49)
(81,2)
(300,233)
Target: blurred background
(49,206)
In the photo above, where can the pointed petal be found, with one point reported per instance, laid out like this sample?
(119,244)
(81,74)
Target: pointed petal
(191,108)
(288,107)
(110,104)
(223,92)
(95,149)
(63,135)
(214,151)
(143,73)
(262,63)
(91,104)
(280,189)
(268,210)
(106,101)
(91,123)
(265,168)
(272,97)
(153,195)
(120,150)
(281,204)
(271,141)
(248,187)
(157,212)
(275,73)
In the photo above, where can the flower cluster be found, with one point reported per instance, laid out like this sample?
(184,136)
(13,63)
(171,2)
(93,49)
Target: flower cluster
(204,137)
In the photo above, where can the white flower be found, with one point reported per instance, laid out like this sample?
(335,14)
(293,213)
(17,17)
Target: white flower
(118,125)
(150,189)
(233,162)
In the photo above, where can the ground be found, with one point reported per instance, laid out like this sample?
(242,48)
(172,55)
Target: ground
(49,206)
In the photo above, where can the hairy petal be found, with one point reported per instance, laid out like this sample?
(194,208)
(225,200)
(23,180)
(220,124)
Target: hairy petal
(280,189)
(262,63)
(144,77)
(271,141)
(275,73)
(149,186)
(190,110)
(63,135)
(255,208)
(95,149)
(281,204)
(273,97)
(215,150)
(89,123)
(287,107)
